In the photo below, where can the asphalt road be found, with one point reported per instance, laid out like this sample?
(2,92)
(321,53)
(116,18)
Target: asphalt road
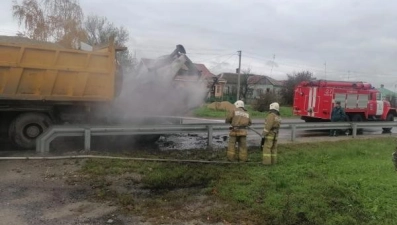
(284,133)
(191,140)
(188,141)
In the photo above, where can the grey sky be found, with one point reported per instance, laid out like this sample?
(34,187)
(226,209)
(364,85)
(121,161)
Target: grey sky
(357,36)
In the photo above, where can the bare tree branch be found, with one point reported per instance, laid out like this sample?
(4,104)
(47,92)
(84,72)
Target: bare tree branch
(100,30)
(287,93)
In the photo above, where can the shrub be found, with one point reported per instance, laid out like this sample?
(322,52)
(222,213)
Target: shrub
(262,103)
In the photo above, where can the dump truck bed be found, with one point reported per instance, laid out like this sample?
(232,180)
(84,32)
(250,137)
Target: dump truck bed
(47,73)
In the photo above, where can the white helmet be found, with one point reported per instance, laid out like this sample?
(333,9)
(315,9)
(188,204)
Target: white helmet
(239,104)
(275,106)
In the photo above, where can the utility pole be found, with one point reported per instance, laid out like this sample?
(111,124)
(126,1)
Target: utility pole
(325,69)
(238,75)
(271,70)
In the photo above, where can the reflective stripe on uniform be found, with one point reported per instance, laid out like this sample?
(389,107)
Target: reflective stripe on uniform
(268,155)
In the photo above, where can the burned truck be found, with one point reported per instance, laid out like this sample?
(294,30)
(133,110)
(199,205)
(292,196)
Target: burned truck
(43,84)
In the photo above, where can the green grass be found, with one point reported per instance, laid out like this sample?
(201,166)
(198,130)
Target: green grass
(285,111)
(346,182)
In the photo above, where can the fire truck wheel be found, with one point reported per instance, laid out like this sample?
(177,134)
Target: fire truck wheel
(357,118)
(26,127)
(390,117)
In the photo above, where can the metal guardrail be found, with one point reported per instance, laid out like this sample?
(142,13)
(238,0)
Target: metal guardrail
(43,142)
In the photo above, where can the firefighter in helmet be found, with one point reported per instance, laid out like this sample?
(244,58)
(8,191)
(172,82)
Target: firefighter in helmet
(337,115)
(270,133)
(239,120)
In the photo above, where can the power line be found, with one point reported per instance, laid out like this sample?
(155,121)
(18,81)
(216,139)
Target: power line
(271,70)
(216,57)
(288,64)
(328,71)
(238,76)
(151,47)
(222,61)
(188,53)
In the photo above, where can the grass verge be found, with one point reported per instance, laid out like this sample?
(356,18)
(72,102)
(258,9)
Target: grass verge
(285,111)
(347,182)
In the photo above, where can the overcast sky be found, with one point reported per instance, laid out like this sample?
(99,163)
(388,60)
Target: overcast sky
(329,38)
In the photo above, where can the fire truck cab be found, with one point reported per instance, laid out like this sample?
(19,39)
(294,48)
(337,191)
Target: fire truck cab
(314,101)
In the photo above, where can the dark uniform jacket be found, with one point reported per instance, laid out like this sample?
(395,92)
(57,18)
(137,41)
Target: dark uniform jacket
(338,114)
(272,124)
(239,119)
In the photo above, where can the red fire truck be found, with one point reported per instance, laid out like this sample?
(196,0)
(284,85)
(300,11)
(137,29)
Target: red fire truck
(314,100)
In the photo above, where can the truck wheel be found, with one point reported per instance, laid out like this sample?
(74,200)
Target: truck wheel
(24,129)
(390,117)
(358,118)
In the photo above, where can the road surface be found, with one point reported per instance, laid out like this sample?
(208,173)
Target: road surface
(196,141)
(188,140)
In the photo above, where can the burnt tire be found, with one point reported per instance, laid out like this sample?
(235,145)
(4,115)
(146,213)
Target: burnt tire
(357,118)
(27,127)
(390,117)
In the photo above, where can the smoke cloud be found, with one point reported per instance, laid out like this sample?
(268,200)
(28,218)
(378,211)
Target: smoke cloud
(168,86)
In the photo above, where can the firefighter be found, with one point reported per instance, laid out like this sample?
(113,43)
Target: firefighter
(270,133)
(337,115)
(239,119)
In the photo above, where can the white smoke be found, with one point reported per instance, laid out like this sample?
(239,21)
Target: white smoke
(156,90)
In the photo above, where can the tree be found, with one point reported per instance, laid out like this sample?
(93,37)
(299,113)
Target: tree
(245,86)
(100,30)
(287,93)
(265,99)
(51,20)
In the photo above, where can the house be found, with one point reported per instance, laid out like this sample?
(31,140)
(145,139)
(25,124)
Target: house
(251,85)
(213,82)
(168,67)
(187,72)
(388,95)
(264,84)
(385,92)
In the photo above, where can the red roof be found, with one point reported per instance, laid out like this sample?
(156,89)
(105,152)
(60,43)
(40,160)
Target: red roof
(205,73)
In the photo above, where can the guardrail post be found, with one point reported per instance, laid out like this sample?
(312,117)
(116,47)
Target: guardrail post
(47,143)
(354,130)
(210,132)
(293,132)
(87,139)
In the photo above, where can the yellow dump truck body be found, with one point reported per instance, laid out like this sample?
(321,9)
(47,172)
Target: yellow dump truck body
(33,72)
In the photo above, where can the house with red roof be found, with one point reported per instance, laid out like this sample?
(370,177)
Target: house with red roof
(251,86)
(188,72)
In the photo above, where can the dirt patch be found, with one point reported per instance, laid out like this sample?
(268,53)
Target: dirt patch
(54,192)
(35,192)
